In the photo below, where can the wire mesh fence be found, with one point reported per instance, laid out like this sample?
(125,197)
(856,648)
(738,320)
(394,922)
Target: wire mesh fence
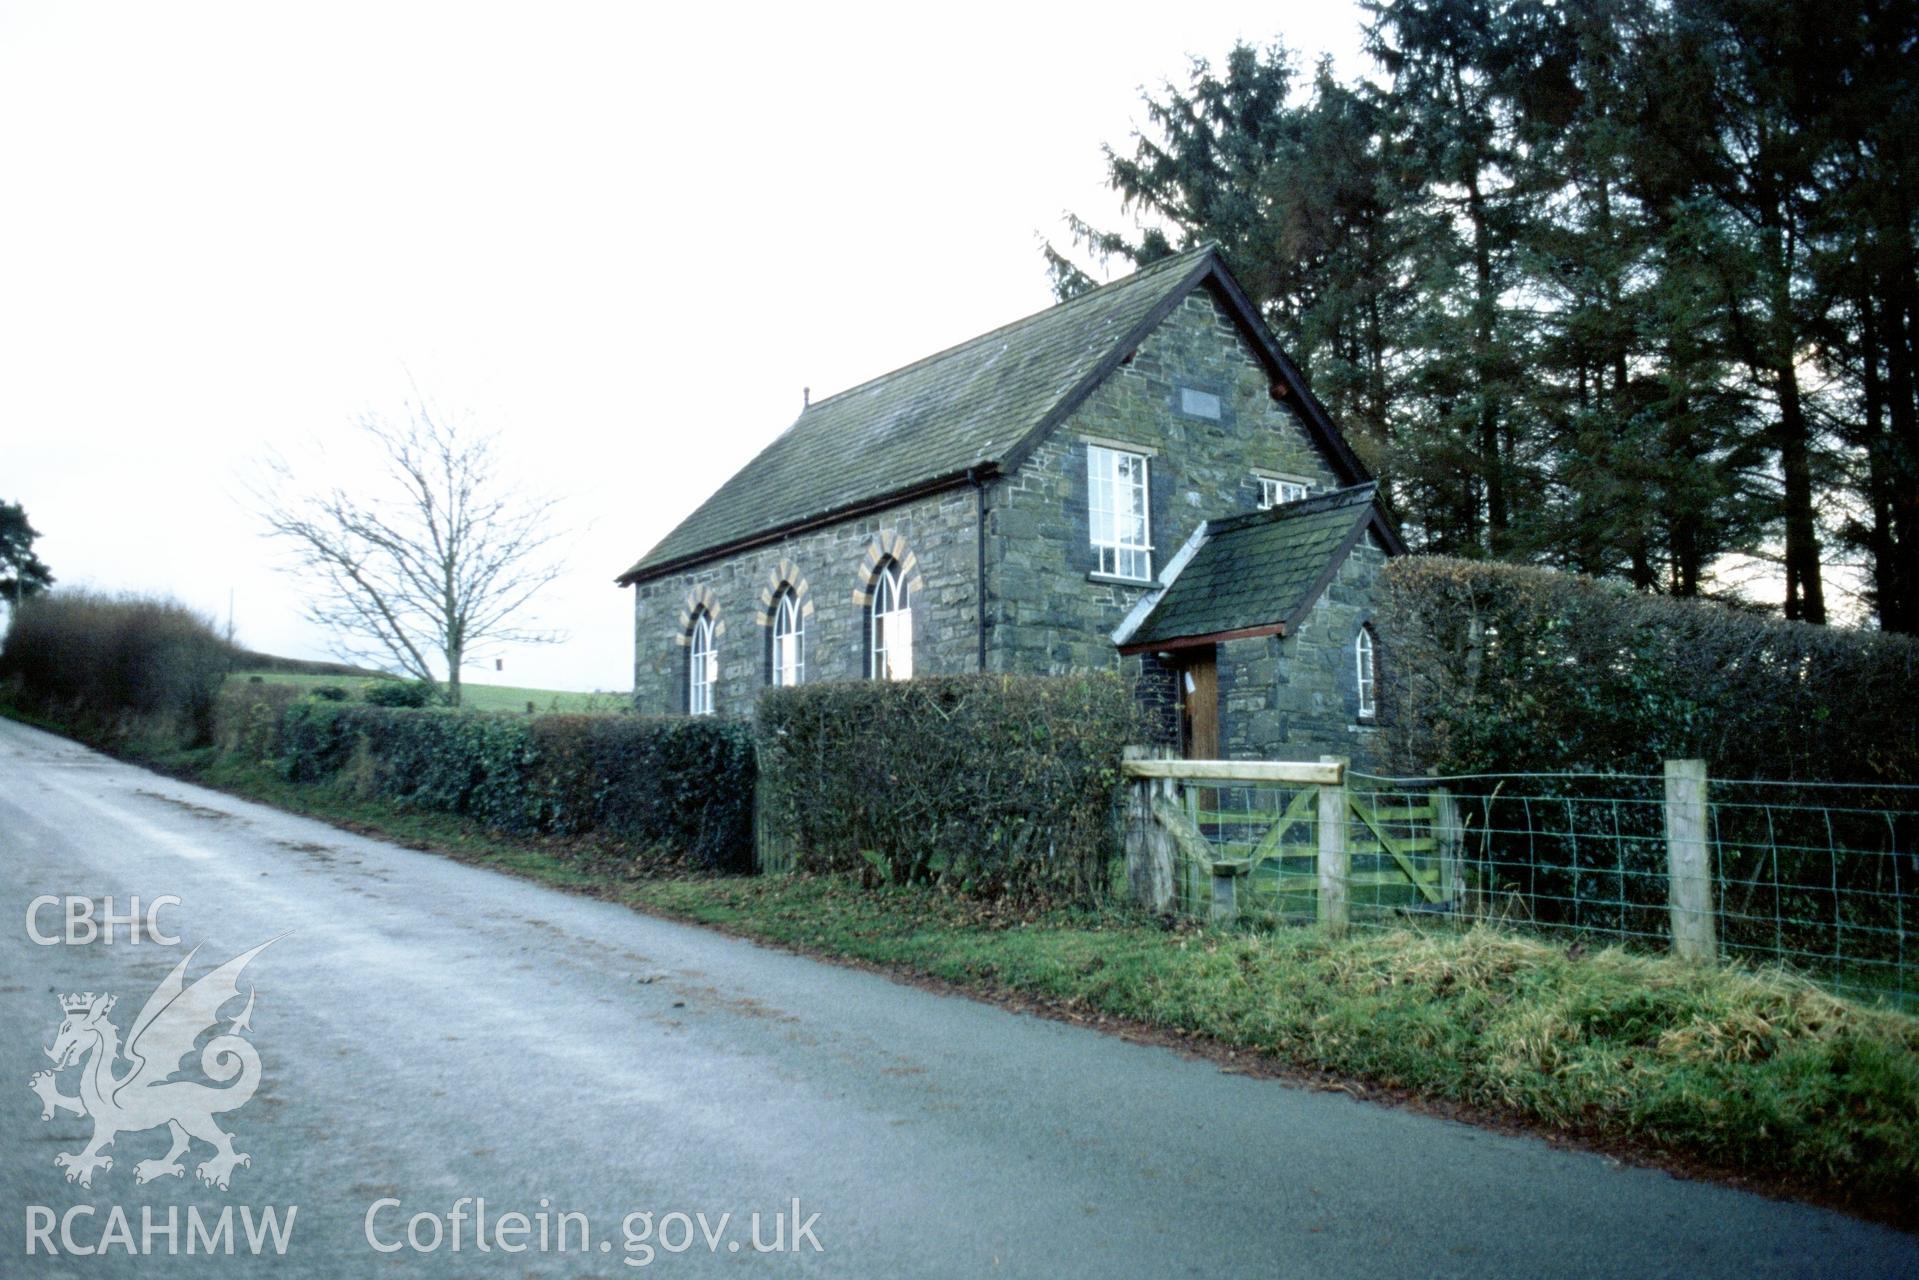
(1580,853)
(1822,878)
(1819,877)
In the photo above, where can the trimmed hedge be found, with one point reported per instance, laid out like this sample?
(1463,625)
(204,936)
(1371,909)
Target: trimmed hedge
(680,786)
(995,785)
(686,782)
(1490,667)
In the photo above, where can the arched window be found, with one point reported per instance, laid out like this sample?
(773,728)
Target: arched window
(1366,669)
(890,631)
(702,666)
(789,640)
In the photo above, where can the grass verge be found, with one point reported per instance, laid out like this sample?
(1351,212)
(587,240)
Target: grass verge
(1755,1077)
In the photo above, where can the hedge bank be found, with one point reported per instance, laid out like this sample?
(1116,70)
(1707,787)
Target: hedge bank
(678,786)
(992,785)
(113,666)
(1491,667)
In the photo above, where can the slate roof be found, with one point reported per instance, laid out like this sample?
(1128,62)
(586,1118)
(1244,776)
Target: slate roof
(972,409)
(1259,572)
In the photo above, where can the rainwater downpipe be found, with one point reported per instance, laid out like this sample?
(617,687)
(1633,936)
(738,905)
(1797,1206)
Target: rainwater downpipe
(979,566)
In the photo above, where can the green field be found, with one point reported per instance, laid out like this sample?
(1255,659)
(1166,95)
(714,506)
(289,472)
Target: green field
(474,697)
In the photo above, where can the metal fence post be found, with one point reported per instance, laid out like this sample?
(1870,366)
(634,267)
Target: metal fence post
(1689,862)
(1335,862)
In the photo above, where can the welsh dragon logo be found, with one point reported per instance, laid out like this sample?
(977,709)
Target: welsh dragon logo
(132,1089)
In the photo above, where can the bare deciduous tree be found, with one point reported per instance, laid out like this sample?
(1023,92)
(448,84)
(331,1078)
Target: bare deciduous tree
(436,560)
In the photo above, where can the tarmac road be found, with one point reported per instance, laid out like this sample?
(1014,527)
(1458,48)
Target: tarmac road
(431,1035)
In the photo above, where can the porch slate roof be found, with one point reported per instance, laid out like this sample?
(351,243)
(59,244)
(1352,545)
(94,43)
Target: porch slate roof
(1260,571)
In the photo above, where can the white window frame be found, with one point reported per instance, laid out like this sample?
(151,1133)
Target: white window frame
(1276,491)
(702,666)
(1366,672)
(1119,512)
(890,626)
(789,641)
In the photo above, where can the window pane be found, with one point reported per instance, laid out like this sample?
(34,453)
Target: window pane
(787,641)
(899,652)
(891,627)
(1363,662)
(1099,475)
(1273,493)
(891,624)
(1117,518)
(703,666)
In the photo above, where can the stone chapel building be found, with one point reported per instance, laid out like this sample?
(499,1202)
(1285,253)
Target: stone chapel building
(1136,480)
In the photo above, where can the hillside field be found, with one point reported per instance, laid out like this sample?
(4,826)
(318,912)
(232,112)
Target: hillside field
(474,697)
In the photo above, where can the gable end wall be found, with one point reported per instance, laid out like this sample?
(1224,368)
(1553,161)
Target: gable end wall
(1045,613)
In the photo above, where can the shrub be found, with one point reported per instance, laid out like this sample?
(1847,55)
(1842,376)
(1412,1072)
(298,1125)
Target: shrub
(400,693)
(248,718)
(1490,667)
(991,784)
(106,664)
(683,782)
(676,786)
(331,693)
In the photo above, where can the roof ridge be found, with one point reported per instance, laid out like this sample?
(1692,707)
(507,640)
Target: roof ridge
(1150,269)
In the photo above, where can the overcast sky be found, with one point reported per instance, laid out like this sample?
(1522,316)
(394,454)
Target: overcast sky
(626,240)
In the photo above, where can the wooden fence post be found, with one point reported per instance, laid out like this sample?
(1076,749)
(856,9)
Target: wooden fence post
(1689,862)
(1224,909)
(772,848)
(1149,846)
(1335,862)
(1448,841)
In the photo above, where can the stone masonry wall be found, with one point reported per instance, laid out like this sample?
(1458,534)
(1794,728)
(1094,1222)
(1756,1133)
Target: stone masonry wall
(1047,611)
(1298,698)
(936,539)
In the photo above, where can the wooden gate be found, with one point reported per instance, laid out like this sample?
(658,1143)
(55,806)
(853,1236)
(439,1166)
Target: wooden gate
(1284,840)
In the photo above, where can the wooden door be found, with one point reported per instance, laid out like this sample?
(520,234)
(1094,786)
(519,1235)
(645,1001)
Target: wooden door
(1199,705)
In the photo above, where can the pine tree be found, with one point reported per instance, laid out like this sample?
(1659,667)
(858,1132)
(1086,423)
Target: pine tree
(1630,286)
(1450,126)
(25,575)
(1300,199)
